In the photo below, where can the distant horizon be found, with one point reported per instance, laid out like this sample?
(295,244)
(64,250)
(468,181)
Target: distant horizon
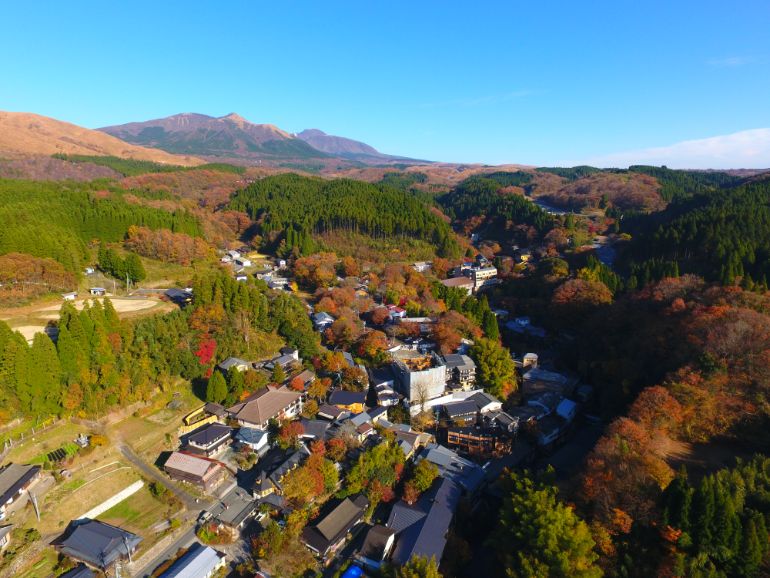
(495,84)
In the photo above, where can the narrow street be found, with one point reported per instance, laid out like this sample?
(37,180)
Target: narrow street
(192,503)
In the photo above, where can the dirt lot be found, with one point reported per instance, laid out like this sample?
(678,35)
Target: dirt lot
(34,318)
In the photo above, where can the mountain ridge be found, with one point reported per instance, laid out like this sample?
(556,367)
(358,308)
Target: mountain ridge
(233,137)
(26,133)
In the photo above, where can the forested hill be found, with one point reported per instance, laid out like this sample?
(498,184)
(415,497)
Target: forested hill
(722,235)
(294,209)
(490,195)
(58,220)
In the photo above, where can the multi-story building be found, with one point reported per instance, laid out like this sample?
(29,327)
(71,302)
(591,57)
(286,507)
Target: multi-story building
(419,377)
(461,371)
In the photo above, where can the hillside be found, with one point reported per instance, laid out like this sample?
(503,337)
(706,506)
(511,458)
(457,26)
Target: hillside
(348,148)
(226,137)
(23,134)
(293,212)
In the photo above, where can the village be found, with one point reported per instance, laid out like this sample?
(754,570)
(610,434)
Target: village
(224,469)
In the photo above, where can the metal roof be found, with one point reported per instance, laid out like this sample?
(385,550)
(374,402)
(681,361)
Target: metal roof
(199,560)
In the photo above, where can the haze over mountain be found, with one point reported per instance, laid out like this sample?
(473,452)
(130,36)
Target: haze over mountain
(232,137)
(23,133)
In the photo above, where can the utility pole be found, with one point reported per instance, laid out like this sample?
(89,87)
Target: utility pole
(33,498)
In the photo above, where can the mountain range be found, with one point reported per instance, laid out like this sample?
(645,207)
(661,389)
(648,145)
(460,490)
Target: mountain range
(234,138)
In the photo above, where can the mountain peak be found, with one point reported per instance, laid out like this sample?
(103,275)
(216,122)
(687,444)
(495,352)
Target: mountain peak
(235,117)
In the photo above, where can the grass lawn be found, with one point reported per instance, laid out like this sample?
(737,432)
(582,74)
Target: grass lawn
(64,504)
(139,513)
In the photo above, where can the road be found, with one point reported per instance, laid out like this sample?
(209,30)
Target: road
(184,541)
(191,502)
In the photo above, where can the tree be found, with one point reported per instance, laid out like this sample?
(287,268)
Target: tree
(278,375)
(539,536)
(496,369)
(44,376)
(418,567)
(289,434)
(425,472)
(216,388)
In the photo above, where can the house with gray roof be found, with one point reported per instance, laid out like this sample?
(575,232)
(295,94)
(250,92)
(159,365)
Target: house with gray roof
(15,481)
(97,544)
(198,562)
(209,440)
(421,529)
(327,535)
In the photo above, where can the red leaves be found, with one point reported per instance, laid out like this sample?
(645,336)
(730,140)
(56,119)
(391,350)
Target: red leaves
(206,350)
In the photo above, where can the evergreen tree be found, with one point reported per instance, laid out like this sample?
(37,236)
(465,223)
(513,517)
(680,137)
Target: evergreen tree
(236,385)
(278,375)
(539,536)
(216,389)
(44,377)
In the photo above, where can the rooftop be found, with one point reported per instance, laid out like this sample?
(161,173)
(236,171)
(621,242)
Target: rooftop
(332,527)
(13,477)
(96,543)
(190,464)
(209,434)
(199,560)
(264,405)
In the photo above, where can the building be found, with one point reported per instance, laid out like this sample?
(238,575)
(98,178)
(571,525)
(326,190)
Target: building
(237,508)
(234,363)
(422,266)
(206,414)
(420,377)
(233,255)
(465,473)
(243,262)
(97,544)
(376,547)
(314,429)
(322,320)
(274,466)
(5,536)
(421,529)
(258,409)
(210,440)
(98,291)
(15,482)
(179,296)
(332,412)
(69,296)
(483,276)
(201,472)
(255,439)
(352,401)
(198,562)
(328,534)
(461,371)
(463,283)
(479,441)
(538,380)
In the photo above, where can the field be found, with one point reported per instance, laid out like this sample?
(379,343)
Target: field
(34,318)
(98,473)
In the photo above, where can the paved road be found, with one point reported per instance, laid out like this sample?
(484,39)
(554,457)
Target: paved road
(184,541)
(191,502)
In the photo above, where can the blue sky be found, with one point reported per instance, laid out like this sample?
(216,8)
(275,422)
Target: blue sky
(495,82)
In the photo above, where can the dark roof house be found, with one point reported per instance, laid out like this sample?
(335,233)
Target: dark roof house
(209,440)
(329,532)
(97,544)
(14,479)
(421,529)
